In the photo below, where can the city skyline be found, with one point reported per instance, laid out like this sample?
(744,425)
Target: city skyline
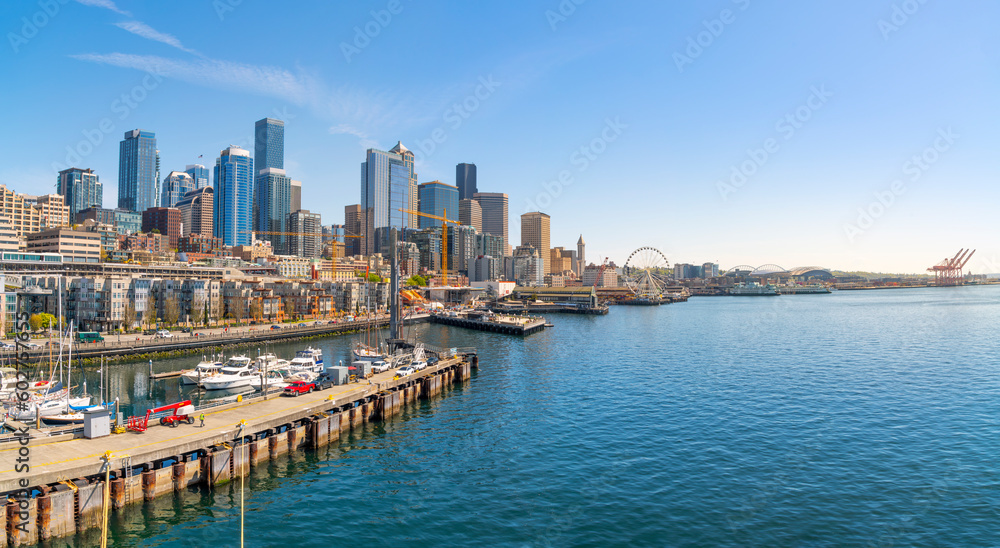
(832,138)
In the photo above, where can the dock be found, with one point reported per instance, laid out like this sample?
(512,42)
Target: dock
(504,324)
(66,476)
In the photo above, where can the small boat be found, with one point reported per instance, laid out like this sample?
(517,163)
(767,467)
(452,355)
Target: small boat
(235,374)
(271,379)
(64,418)
(266,362)
(205,368)
(50,408)
(310,359)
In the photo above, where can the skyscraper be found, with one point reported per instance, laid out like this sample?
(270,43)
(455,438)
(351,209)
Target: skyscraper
(199,174)
(233,217)
(81,189)
(296,195)
(309,240)
(269,144)
(197,209)
(471,213)
(272,206)
(495,219)
(535,232)
(357,221)
(175,186)
(465,180)
(437,198)
(138,171)
(388,184)
(581,256)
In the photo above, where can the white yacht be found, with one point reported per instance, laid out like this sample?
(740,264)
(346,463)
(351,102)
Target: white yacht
(236,373)
(310,359)
(205,368)
(271,379)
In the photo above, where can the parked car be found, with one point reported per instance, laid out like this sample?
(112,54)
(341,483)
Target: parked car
(186,330)
(418,365)
(404,371)
(149,332)
(380,366)
(33,346)
(7,346)
(299,387)
(164,334)
(432,360)
(275,327)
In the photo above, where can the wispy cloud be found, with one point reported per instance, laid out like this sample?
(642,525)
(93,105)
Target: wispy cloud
(263,80)
(106,4)
(142,29)
(347,129)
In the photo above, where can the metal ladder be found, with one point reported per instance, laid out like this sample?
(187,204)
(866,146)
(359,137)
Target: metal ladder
(127,464)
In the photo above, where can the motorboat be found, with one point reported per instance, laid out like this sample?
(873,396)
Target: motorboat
(236,373)
(205,368)
(310,360)
(270,379)
(267,362)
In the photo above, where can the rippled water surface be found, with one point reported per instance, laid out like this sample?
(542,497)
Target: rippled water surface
(857,418)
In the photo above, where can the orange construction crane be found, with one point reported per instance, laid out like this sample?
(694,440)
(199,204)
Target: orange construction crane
(949,271)
(444,238)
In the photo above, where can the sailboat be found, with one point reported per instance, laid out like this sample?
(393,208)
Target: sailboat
(368,350)
(71,410)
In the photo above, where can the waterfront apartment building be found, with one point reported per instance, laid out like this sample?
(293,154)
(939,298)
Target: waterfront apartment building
(233,216)
(308,239)
(272,207)
(175,186)
(535,232)
(389,184)
(80,189)
(269,144)
(439,199)
(78,246)
(465,180)
(138,171)
(30,214)
(165,220)
(471,213)
(494,207)
(197,209)
(9,240)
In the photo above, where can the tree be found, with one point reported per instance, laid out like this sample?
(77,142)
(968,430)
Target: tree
(216,312)
(155,231)
(197,310)
(35,322)
(256,310)
(289,308)
(171,310)
(130,315)
(237,308)
(150,316)
(417,280)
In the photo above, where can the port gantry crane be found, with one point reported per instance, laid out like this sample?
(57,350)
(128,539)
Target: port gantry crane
(949,271)
(444,238)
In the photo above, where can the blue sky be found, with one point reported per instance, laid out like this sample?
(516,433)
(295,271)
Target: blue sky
(847,134)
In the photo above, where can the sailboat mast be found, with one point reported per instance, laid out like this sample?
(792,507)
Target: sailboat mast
(69,364)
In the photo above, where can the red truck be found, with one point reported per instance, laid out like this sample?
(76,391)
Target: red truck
(299,387)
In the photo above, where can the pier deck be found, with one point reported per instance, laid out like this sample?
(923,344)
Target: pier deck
(54,461)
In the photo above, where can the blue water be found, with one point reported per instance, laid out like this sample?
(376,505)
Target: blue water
(855,419)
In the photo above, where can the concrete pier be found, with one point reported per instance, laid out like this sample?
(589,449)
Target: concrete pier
(67,477)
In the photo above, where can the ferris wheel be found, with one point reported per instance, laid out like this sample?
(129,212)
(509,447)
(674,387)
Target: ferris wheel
(646,272)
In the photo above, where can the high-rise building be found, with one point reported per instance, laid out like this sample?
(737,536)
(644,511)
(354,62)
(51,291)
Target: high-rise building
(358,222)
(165,220)
(269,144)
(197,209)
(199,174)
(535,232)
(388,184)
(233,215)
(272,206)
(465,180)
(527,267)
(175,186)
(33,213)
(437,198)
(461,248)
(471,213)
(296,195)
(138,171)
(80,188)
(495,218)
(308,240)
(581,256)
